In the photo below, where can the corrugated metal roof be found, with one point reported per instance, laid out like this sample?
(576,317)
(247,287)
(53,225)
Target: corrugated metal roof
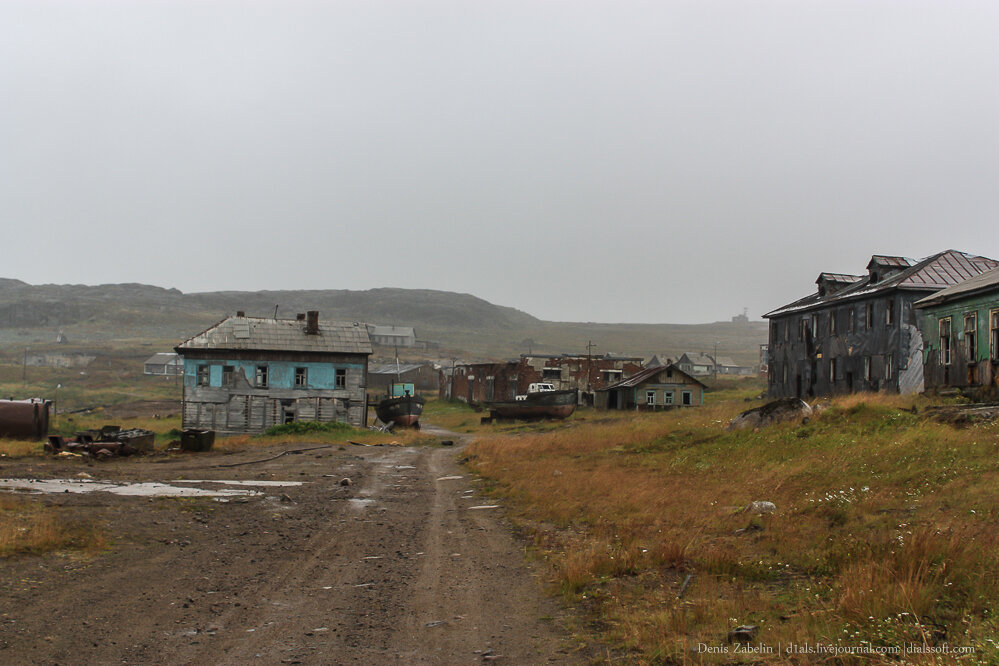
(985,281)
(839,278)
(161,357)
(392,368)
(936,272)
(261,334)
(392,330)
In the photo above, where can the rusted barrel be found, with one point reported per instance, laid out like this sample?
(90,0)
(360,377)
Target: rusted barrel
(24,419)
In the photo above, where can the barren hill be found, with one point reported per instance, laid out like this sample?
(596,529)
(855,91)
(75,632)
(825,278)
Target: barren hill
(463,325)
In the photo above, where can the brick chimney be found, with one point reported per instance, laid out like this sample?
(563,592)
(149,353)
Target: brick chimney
(312,322)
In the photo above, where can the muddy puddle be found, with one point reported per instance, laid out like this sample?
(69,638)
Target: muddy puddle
(147,489)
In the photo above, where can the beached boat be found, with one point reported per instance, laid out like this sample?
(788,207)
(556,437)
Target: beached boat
(541,401)
(400,406)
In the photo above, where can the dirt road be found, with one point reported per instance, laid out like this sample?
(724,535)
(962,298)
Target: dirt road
(400,566)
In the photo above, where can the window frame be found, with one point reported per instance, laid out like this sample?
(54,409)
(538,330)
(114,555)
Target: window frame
(301,377)
(945,341)
(971,336)
(203,375)
(994,334)
(340,378)
(650,397)
(261,376)
(228,375)
(687,398)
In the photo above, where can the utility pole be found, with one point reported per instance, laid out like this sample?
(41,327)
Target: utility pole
(714,361)
(589,355)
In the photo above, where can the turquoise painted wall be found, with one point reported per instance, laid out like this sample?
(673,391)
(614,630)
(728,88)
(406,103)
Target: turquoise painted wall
(281,374)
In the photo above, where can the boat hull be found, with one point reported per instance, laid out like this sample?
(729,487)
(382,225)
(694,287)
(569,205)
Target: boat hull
(546,405)
(403,411)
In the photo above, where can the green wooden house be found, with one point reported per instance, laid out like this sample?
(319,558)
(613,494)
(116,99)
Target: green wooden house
(961,334)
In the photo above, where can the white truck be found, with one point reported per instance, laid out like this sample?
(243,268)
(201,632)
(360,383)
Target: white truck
(536,387)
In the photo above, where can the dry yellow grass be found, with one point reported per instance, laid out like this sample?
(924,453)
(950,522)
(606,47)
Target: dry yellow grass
(27,527)
(884,532)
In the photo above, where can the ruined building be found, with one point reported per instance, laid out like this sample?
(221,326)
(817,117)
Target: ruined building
(861,332)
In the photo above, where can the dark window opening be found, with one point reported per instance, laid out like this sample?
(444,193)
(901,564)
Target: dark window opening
(869,321)
(261,376)
(889,315)
(228,376)
(203,375)
(994,335)
(341,378)
(301,377)
(971,336)
(687,398)
(945,348)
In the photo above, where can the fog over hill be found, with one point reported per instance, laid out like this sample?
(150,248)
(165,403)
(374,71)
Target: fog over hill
(463,325)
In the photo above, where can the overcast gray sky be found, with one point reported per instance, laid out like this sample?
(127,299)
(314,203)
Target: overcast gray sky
(582,161)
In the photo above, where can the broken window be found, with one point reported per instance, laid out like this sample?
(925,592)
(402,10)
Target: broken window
(867,368)
(889,314)
(852,320)
(341,378)
(228,378)
(551,374)
(832,322)
(687,398)
(994,335)
(832,370)
(203,375)
(889,365)
(650,397)
(971,336)
(869,316)
(301,377)
(815,324)
(803,329)
(787,331)
(945,341)
(260,379)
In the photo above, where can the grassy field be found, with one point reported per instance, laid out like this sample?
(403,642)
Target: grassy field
(884,533)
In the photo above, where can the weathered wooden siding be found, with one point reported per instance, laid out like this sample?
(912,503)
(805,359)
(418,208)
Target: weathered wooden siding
(803,345)
(965,371)
(243,407)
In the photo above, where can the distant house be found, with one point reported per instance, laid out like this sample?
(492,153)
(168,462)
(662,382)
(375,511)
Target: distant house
(424,376)
(163,364)
(59,359)
(661,387)
(726,366)
(961,330)
(696,364)
(861,333)
(392,336)
(483,382)
(246,374)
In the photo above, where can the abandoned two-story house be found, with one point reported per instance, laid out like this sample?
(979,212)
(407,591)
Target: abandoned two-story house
(246,374)
(861,332)
(961,329)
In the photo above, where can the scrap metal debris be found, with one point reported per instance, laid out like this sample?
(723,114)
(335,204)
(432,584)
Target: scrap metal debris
(108,442)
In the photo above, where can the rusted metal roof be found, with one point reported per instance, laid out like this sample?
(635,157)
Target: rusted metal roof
(892,262)
(933,273)
(645,374)
(840,278)
(984,282)
(262,334)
